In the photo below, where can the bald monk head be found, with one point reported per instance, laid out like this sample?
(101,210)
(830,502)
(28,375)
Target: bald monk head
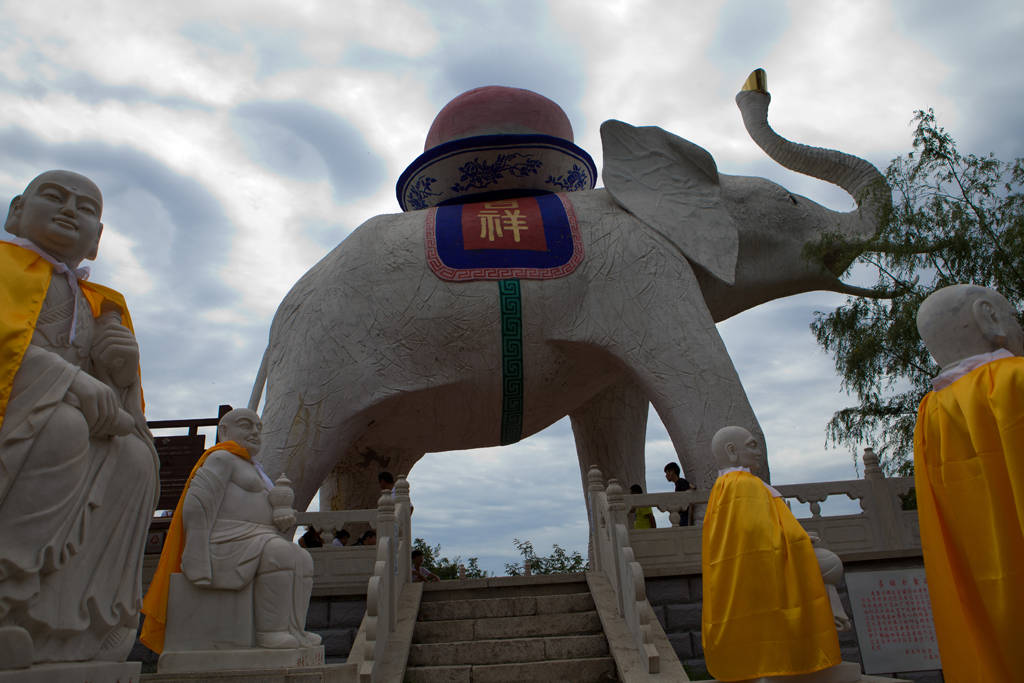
(735,447)
(242,426)
(59,212)
(959,321)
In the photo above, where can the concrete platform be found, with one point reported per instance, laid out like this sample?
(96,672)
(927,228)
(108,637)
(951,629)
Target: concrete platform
(75,672)
(328,673)
(190,661)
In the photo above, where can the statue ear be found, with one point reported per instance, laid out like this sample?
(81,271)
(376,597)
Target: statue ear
(96,245)
(12,215)
(672,186)
(989,323)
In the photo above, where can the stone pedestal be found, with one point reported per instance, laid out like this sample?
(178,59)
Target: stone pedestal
(75,672)
(207,619)
(187,661)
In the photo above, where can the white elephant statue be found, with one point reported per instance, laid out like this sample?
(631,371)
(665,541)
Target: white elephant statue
(373,360)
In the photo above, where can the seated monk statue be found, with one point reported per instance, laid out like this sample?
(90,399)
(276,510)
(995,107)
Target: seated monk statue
(78,471)
(766,612)
(227,533)
(969,478)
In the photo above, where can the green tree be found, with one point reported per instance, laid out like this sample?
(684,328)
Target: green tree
(442,566)
(559,562)
(955,218)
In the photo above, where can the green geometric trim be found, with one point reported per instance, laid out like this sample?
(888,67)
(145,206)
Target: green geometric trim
(511,306)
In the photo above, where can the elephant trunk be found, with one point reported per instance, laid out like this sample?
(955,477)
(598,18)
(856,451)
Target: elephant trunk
(859,178)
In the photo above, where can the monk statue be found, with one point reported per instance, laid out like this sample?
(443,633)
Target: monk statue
(969,476)
(766,613)
(228,532)
(78,471)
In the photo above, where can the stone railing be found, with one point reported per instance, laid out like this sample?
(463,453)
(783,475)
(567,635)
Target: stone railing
(881,530)
(391,575)
(613,557)
(340,570)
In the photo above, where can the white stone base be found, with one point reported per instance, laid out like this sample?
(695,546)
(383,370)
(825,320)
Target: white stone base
(188,661)
(328,673)
(75,672)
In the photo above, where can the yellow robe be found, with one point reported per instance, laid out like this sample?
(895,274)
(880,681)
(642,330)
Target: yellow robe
(154,605)
(969,475)
(766,612)
(24,279)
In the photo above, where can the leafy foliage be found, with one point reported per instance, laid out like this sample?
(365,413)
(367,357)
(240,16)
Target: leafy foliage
(560,561)
(954,219)
(442,566)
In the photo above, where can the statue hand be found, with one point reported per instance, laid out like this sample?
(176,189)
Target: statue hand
(100,406)
(115,350)
(195,565)
(842,622)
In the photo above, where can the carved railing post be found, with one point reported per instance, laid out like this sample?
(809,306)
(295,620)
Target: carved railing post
(595,489)
(403,514)
(386,530)
(871,467)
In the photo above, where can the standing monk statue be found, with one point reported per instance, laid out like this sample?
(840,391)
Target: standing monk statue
(969,476)
(78,471)
(766,611)
(228,532)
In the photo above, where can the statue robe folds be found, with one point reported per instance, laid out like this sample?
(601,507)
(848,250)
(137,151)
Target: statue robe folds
(766,612)
(155,604)
(969,475)
(74,510)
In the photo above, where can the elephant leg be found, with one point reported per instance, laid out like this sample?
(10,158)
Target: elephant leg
(610,430)
(352,483)
(686,373)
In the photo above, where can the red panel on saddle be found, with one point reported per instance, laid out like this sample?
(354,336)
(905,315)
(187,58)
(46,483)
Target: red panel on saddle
(504,224)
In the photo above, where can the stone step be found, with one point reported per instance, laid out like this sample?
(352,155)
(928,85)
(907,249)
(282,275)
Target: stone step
(577,623)
(519,606)
(584,670)
(504,587)
(508,650)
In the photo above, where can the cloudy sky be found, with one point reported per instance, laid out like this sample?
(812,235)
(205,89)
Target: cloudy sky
(236,142)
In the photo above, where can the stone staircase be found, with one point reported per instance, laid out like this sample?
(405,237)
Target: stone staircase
(533,628)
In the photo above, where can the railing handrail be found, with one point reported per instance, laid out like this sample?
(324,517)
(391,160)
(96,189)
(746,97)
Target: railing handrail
(613,557)
(391,573)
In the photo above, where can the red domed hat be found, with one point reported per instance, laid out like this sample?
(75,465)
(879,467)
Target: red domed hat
(496,143)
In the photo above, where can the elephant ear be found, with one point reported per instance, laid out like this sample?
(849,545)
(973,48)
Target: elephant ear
(672,186)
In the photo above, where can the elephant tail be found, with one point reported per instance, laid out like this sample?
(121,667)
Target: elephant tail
(858,177)
(261,379)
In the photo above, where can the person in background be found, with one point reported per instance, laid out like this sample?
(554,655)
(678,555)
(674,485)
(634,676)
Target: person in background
(369,537)
(341,538)
(419,572)
(674,475)
(644,515)
(311,539)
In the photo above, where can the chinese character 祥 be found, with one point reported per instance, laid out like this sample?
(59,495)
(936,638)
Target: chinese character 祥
(496,217)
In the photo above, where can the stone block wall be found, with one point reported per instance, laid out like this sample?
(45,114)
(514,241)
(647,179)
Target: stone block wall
(336,619)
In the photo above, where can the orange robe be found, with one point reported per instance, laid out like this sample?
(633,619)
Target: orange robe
(969,475)
(154,605)
(24,279)
(766,612)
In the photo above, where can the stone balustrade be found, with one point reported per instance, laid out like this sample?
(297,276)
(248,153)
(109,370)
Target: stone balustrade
(881,530)
(613,558)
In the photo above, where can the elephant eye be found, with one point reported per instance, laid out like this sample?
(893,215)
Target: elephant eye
(793,199)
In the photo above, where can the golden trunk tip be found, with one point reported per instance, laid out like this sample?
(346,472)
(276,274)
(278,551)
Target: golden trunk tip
(757,80)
